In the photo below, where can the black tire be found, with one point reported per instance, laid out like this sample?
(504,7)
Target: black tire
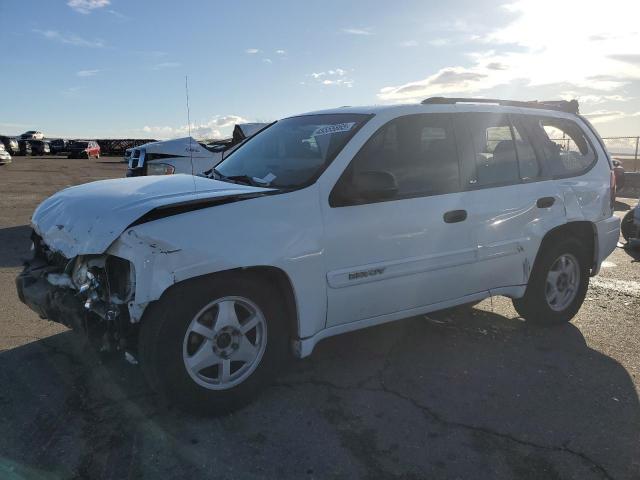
(163,331)
(626,226)
(533,306)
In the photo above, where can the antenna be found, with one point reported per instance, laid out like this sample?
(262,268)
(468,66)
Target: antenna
(186,89)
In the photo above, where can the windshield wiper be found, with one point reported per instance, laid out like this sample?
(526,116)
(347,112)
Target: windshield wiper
(242,179)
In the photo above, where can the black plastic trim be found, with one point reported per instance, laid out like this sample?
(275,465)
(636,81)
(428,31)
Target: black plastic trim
(193,205)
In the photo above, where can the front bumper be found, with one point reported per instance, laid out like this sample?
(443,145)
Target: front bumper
(58,304)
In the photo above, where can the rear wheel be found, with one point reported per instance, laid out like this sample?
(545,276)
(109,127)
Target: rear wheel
(557,285)
(213,343)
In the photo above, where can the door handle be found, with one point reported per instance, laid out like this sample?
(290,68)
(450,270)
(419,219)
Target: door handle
(545,202)
(455,216)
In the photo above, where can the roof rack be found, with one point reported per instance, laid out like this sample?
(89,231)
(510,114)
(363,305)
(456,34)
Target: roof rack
(570,106)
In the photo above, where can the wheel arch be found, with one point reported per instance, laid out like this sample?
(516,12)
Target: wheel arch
(583,230)
(269,274)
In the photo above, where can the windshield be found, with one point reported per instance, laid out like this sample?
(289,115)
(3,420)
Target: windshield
(292,152)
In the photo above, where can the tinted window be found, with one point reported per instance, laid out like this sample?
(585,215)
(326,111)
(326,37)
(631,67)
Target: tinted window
(565,146)
(418,150)
(493,151)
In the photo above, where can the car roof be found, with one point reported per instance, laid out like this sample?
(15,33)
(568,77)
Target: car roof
(413,108)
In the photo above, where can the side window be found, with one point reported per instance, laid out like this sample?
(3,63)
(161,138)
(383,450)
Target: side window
(494,149)
(419,151)
(529,164)
(567,149)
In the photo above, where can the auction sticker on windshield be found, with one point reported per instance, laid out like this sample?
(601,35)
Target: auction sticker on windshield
(337,128)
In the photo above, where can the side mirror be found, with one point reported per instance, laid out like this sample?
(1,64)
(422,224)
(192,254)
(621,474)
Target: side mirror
(375,185)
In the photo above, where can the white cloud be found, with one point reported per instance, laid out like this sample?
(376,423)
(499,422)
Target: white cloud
(69,39)
(86,6)
(592,54)
(439,42)
(335,77)
(357,31)
(409,43)
(163,65)
(281,52)
(217,127)
(267,60)
(603,116)
(87,73)
(252,51)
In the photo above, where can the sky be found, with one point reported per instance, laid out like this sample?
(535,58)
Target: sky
(117,68)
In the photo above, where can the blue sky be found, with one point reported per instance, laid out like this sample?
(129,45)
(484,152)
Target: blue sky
(114,68)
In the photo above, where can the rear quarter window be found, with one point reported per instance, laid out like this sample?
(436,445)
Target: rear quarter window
(567,149)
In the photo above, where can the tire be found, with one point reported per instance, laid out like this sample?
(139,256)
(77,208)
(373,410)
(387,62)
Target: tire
(626,226)
(167,342)
(536,306)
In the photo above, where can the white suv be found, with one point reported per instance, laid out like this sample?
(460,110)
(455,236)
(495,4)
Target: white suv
(325,223)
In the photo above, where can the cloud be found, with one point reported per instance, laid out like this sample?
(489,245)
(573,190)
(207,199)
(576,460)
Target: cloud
(87,73)
(357,31)
(252,51)
(596,55)
(632,58)
(334,77)
(450,79)
(163,65)
(86,6)
(72,91)
(439,42)
(118,15)
(408,43)
(69,39)
(602,116)
(267,60)
(281,52)
(217,127)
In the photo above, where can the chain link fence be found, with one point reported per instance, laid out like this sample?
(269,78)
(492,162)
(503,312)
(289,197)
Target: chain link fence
(624,149)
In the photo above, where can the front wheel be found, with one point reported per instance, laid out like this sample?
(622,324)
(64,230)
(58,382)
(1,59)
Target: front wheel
(557,285)
(211,344)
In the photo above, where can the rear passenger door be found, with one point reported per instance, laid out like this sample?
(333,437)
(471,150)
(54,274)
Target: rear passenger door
(510,198)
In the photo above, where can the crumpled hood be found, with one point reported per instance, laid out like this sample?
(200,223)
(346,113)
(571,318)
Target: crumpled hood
(86,219)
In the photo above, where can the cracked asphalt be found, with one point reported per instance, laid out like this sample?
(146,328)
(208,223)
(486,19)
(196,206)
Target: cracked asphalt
(465,393)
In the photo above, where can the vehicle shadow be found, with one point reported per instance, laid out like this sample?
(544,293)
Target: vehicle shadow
(619,206)
(15,243)
(468,394)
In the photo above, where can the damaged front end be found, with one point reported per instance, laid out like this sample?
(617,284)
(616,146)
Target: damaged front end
(88,293)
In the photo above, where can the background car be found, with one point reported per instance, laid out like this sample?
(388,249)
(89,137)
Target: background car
(32,135)
(84,149)
(24,147)
(10,144)
(5,157)
(40,147)
(59,145)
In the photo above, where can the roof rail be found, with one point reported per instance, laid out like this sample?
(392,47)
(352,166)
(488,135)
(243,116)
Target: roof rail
(570,106)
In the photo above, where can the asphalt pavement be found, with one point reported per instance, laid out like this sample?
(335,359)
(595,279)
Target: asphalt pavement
(466,393)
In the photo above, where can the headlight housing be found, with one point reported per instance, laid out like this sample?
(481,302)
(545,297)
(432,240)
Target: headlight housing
(160,169)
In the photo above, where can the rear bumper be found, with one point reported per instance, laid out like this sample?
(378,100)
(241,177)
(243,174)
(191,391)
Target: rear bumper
(607,236)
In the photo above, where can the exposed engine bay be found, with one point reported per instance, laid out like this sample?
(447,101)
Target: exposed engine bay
(88,293)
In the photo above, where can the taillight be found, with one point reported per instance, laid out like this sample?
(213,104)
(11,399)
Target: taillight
(612,189)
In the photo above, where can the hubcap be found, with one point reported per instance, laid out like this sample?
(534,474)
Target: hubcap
(562,283)
(224,342)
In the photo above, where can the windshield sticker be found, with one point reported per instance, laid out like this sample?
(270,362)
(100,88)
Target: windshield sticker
(337,128)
